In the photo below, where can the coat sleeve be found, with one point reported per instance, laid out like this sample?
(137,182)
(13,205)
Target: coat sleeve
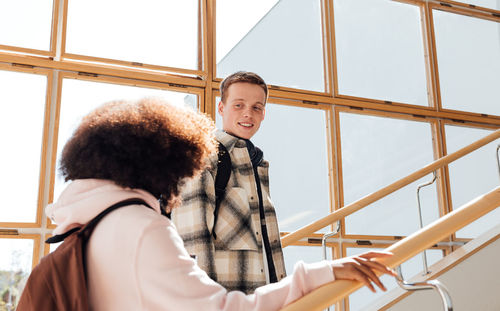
(168,279)
(194,219)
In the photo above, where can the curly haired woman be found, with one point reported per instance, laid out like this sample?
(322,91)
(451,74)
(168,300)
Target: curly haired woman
(135,258)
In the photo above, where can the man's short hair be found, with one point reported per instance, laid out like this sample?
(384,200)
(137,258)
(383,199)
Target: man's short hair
(241,76)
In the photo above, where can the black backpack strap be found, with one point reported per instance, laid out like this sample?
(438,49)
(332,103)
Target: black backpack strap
(221,180)
(89,227)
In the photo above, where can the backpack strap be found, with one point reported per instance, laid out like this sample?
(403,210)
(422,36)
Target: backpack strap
(221,180)
(89,227)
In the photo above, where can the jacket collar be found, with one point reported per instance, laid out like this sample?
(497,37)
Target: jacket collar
(229,141)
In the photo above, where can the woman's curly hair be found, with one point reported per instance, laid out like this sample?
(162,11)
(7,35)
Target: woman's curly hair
(147,144)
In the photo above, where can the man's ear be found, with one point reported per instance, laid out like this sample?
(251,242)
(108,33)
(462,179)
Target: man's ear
(220,108)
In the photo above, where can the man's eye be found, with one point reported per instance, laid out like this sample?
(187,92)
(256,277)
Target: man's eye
(257,108)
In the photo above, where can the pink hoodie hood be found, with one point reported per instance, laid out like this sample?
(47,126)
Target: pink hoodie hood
(83,199)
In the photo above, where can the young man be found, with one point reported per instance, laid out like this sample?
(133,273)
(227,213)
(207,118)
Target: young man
(243,250)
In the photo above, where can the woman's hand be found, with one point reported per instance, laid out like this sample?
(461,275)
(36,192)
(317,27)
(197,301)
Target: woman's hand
(362,268)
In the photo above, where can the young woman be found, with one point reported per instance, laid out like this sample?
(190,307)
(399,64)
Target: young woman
(135,258)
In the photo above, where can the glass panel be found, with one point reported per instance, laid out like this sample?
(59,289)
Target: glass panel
(15,266)
(301,172)
(155,32)
(380,51)
(21,129)
(26,23)
(468,51)
(376,152)
(363,297)
(279,40)
(473,175)
(308,254)
(80,97)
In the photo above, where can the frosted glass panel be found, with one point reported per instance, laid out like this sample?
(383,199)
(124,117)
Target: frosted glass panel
(279,40)
(298,169)
(81,97)
(380,51)
(468,51)
(154,32)
(376,152)
(473,175)
(21,129)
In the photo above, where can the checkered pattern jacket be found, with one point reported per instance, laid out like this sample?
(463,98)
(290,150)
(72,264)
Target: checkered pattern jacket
(235,259)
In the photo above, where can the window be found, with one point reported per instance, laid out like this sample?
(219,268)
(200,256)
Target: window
(283,43)
(473,43)
(154,32)
(21,130)
(380,52)
(377,151)
(26,24)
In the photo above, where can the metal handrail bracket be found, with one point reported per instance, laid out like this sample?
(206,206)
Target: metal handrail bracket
(421,222)
(431,284)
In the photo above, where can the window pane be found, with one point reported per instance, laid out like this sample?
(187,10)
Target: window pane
(15,266)
(363,297)
(308,254)
(376,152)
(26,23)
(298,177)
(468,51)
(473,175)
(154,32)
(21,129)
(80,97)
(280,40)
(380,51)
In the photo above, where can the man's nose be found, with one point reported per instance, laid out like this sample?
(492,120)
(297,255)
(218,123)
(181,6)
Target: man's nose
(247,112)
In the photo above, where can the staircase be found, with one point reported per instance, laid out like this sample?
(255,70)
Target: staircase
(471,274)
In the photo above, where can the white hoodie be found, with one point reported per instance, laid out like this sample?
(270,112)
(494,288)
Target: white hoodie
(137,261)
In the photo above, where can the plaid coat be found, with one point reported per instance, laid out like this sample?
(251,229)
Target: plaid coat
(235,259)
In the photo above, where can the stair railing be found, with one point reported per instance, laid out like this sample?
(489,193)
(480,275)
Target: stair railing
(403,250)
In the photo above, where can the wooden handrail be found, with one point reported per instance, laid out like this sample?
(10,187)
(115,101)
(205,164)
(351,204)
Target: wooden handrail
(403,250)
(369,199)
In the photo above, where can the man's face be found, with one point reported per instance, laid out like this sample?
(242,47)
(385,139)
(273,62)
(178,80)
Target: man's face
(243,110)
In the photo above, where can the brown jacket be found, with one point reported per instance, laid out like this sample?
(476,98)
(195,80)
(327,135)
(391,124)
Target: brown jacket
(235,259)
